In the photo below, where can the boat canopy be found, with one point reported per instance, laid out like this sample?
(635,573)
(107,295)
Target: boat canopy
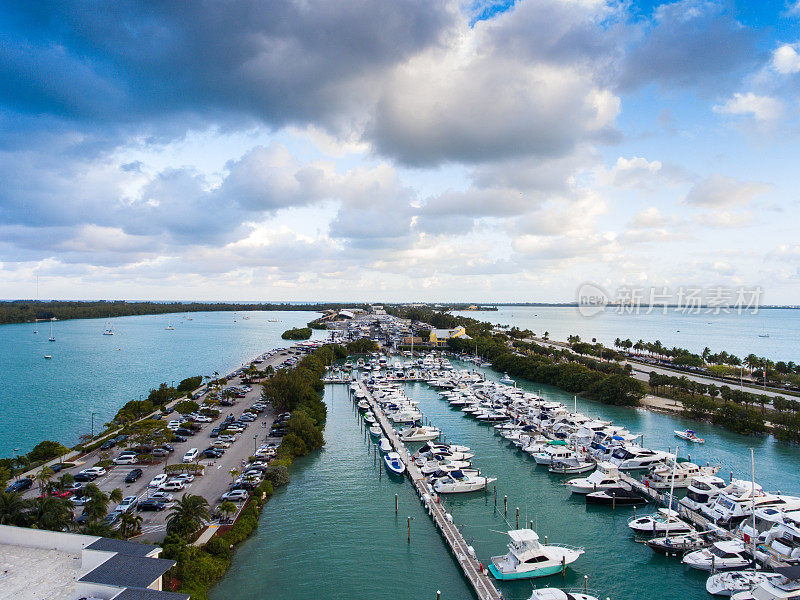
(522,536)
(557,443)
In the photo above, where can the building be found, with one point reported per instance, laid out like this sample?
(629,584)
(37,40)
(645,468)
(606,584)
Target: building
(64,566)
(439,337)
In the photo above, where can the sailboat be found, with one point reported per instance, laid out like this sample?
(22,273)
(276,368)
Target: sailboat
(109,330)
(35,320)
(51,338)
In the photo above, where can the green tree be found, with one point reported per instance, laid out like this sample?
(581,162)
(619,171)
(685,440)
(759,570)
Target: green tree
(186,407)
(187,515)
(130,524)
(12,508)
(227,508)
(51,513)
(115,496)
(97,505)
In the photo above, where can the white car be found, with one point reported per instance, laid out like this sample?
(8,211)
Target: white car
(126,459)
(234,496)
(161,496)
(190,455)
(173,485)
(98,471)
(128,504)
(157,481)
(184,477)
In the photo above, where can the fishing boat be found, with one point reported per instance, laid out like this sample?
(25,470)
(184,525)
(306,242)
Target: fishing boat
(384,445)
(528,558)
(606,476)
(728,583)
(423,433)
(720,556)
(688,434)
(393,463)
(617,496)
(571,466)
(557,594)
(505,379)
(458,482)
(662,521)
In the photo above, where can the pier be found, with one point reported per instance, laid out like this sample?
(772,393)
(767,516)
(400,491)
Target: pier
(472,568)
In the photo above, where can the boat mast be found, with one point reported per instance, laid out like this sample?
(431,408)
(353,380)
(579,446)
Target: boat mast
(671,490)
(753,503)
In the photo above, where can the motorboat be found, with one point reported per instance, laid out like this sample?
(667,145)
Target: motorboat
(662,521)
(662,476)
(702,491)
(363,405)
(720,556)
(571,466)
(376,431)
(728,583)
(528,558)
(384,445)
(393,463)
(552,454)
(688,434)
(458,481)
(606,476)
(557,594)
(785,587)
(733,506)
(506,380)
(630,457)
(423,433)
(429,467)
(369,418)
(782,542)
(439,447)
(618,496)
(678,544)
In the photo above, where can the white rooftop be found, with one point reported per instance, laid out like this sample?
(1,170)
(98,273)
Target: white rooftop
(37,574)
(523,535)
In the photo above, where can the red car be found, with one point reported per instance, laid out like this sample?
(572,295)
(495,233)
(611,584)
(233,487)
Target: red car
(58,494)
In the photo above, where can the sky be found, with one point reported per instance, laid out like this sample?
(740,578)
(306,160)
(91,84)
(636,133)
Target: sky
(313,150)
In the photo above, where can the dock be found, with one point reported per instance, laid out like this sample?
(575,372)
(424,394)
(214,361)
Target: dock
(472,568)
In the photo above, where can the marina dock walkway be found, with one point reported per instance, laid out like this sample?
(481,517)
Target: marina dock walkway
(472,568)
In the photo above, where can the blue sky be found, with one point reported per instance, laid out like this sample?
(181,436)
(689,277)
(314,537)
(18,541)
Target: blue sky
(487,151)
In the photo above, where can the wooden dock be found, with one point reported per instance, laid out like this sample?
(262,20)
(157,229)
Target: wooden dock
(472,568)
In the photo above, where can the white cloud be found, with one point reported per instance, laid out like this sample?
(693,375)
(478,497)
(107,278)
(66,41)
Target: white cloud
(718,191)
(724,219)
(649,218)
(762,108)
(786,60)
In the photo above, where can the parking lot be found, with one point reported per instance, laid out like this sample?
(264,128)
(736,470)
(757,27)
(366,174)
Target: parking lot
(216,478)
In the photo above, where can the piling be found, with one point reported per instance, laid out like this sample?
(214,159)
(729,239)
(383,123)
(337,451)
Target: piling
(395,504)
(409,530)
(518,517)
(505,505)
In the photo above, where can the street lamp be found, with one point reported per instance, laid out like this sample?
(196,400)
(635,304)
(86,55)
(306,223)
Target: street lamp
(14,455)
(255,438)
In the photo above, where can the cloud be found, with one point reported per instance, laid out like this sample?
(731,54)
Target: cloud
(724,219)
(762,108)
(718,191)
(649,218)
(786,60)
(690,43)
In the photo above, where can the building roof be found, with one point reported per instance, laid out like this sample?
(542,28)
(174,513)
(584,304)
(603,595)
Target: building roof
(128,571)
(122,547)
(37,573)
(145,594)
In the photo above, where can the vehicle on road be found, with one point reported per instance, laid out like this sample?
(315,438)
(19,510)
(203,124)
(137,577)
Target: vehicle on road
(150,504)
(161,497)
(20,485)
(97,471)
(172,485)
(127,459)
(234,496)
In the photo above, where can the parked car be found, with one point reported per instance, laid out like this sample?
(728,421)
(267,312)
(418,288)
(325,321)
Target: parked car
(184,477)
(150,504)
(133,475)
(108,445)
(211,453)
(160,452)
(127,459)
(127,505)
(84,477)
(161,496)
(177,439)
(157,480)
(79,500)
(172,485)
(20,485)
(234,496)
(191,455)
(98,471)
(184,432)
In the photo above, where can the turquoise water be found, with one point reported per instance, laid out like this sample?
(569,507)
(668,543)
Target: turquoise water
(90,372)
(332,532)
(736,334)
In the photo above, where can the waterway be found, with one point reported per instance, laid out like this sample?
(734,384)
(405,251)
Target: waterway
(94,373)
(739,334)
(332,532)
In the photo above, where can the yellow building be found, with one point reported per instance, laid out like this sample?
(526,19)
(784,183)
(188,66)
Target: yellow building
(439,337)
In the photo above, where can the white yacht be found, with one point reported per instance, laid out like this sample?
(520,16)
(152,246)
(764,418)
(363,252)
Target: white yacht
(606,476)
(660,522)
(384,445)
(553,453)
(423,433)
(702,491)
(557,594)
(785,587)
(528,558)
(663,475)
(720,556)
(728,583)
(456,482)
(630,457)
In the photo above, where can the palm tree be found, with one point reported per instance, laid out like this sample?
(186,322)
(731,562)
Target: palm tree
(12,508)
(115,496)
(227,508)
(187,515)
(130,524)
(43,477)
(752,361)
(51,513)
(97,506)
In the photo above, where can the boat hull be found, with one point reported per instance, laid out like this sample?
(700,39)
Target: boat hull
(543,572)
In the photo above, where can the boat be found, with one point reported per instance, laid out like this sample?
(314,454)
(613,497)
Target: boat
(557,594)
(662,521)
(720,556)
(52,337)
(606,476)
(369,418)
(630,458)
(363,405)
(384,445)
(728,583)
(505,379)
(670,474)
(376,431)
(423,433)
(617,496)
(528,558)
(458,482)
(272,320)
(571,466)
(48,356)
(678,545)
(109,330)
(702,491)
(439,447)
(169,328)
(785,587)
(393,463)
(688,434)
